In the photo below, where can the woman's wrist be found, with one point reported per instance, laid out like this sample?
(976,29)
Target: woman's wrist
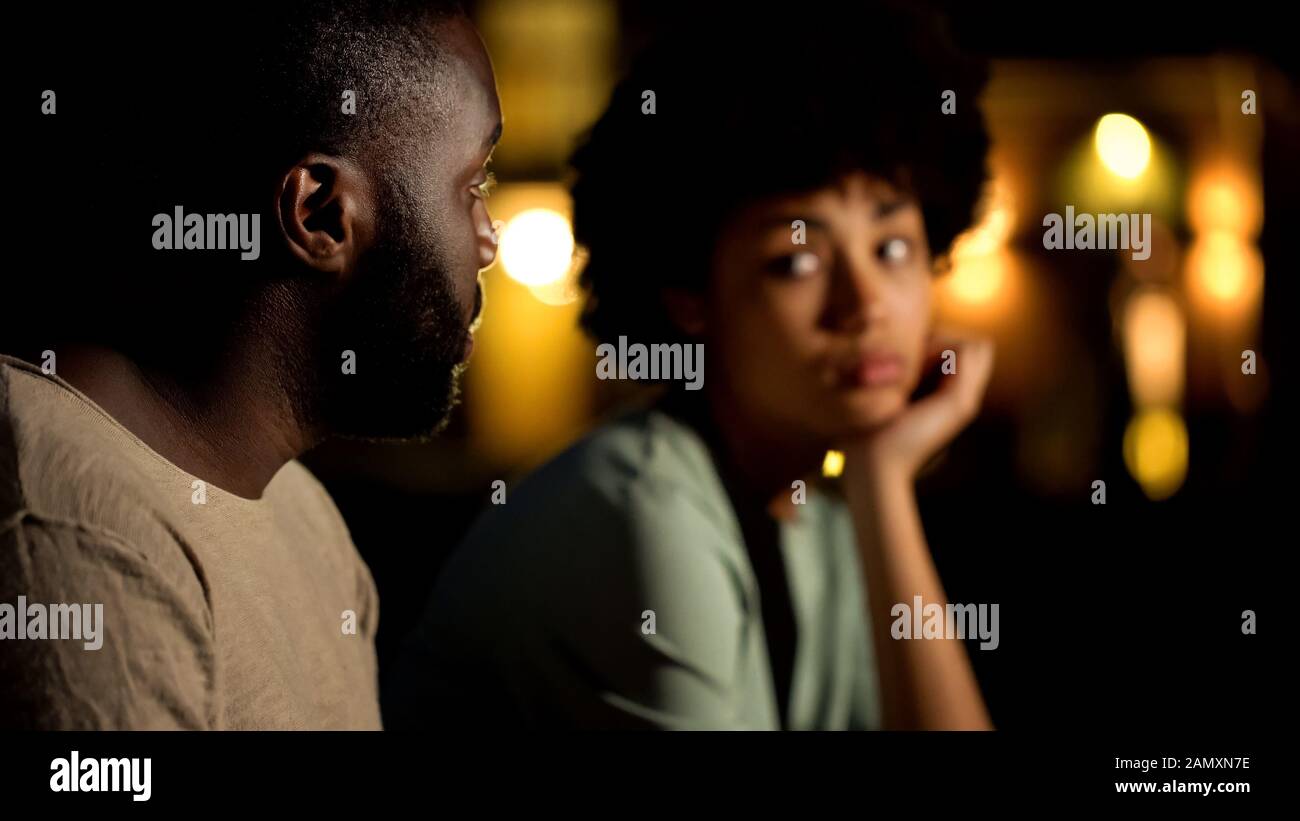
(873,477)
(882,497)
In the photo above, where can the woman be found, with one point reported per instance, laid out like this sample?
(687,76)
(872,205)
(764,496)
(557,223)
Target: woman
(776,191)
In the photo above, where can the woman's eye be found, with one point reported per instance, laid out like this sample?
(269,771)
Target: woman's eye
(798,265)
(895,250)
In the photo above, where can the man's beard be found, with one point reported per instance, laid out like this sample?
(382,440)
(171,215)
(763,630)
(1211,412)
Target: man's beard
(400,318)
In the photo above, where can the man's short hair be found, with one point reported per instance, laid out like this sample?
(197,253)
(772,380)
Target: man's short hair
(201,109)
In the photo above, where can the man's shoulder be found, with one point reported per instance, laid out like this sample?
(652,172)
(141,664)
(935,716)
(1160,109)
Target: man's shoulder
(296,490)
(61,460)
(78,518)
(307,516)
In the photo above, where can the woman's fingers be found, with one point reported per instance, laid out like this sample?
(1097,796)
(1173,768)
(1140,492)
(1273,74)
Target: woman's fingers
(933,421)
(966,374)
(928,424)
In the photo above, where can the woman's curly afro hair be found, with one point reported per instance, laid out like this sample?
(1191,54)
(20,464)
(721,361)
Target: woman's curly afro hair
(750,105)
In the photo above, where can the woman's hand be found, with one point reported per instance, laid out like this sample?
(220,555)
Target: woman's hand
(924,684)
(900,447)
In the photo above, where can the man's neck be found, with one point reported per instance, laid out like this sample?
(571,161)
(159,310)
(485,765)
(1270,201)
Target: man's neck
(235,431)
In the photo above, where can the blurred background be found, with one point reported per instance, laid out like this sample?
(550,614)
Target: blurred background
(1131,374)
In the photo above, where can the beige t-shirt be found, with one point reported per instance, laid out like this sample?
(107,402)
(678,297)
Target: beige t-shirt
(217,612)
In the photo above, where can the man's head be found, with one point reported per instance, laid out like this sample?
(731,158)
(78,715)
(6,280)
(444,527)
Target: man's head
(358,133)
(393,219)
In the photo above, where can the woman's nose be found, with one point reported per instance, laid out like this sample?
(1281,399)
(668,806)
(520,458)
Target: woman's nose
(857,300)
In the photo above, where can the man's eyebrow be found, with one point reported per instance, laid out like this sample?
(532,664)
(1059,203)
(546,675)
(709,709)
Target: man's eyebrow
(493,138)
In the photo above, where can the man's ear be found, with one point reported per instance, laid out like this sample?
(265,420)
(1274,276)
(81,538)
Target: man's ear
(326,212)
(686,309)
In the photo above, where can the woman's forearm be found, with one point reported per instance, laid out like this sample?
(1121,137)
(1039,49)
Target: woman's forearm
(925,684)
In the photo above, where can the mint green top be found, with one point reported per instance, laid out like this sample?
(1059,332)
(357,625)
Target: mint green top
(540,618)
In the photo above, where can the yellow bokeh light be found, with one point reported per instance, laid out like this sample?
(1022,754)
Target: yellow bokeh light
(980,260)
(537,247)
(1123,145)
(995,226)
(833,464)
(1224,196)
(977,280)
(528,391)
(1155,338)
(1155,451)
(1225,271)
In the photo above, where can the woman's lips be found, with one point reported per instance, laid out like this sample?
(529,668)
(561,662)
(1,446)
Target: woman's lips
(873,371)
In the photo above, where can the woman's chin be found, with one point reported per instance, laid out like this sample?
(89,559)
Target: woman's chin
(866,410)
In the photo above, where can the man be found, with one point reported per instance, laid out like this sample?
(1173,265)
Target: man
(278,219)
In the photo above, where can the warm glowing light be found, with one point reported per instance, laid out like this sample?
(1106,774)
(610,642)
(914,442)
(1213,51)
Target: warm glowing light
(1225,270)
(833,464)
(1223,196)
(529,391)
(980,260)
(537,247)
(1123,145)
(1155,337)
(1155,451)
(977,280)
(995,226)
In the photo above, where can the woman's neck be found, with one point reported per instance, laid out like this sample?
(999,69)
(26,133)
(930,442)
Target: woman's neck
(756,458)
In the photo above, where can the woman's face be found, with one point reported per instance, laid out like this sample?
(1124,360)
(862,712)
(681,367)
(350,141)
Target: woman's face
(826,338)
